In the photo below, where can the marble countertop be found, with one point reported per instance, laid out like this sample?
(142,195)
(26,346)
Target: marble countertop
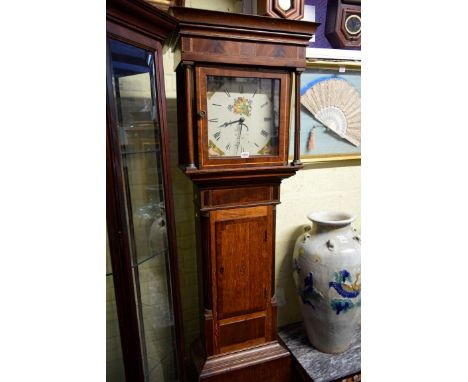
(321,367)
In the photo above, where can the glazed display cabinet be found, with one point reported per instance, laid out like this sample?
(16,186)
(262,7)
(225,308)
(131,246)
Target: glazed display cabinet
(144,330)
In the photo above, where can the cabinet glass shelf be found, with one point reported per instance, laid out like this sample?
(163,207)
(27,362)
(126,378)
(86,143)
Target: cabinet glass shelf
(157,151)
(142,261)
(150,257)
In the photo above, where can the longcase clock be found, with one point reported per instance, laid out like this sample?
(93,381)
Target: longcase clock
(235,79)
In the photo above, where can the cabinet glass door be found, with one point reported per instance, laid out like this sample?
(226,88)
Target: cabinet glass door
(133,82)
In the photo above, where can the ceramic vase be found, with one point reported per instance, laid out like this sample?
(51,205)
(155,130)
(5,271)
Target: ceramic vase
(327,273)
(158,236)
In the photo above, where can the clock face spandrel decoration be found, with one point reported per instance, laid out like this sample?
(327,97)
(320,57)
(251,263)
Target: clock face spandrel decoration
(242,116)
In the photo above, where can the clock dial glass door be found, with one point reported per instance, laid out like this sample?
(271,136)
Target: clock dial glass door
(243,116)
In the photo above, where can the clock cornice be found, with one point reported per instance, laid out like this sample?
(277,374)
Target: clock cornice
(196,25)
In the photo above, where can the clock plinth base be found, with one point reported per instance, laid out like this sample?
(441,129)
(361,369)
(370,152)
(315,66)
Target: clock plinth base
(268,362)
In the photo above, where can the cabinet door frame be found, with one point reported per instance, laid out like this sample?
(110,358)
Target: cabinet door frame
(128,31)
(225,273)
(242,214)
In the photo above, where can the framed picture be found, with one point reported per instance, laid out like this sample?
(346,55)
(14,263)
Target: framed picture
(330,112)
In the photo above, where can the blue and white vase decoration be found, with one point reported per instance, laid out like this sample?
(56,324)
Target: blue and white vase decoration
(327,273)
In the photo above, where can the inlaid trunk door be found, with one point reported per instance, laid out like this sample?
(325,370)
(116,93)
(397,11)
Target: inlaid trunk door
(242,261)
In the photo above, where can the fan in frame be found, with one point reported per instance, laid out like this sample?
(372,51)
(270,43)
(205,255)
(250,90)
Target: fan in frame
(335,103)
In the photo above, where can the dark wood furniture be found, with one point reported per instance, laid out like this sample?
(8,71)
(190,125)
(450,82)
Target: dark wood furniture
(273,8)
(311,365)
(343,26)
(236,191)
(140,222)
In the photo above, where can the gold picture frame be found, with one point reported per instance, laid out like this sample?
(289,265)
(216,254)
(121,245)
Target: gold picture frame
(328,146)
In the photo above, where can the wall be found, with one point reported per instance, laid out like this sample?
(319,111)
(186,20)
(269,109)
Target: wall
(316,187)
(234,6)
(320,17)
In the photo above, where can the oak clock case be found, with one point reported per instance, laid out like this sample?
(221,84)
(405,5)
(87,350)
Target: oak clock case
(235,75)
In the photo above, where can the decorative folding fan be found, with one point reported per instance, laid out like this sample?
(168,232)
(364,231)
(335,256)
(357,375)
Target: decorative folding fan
(336,104)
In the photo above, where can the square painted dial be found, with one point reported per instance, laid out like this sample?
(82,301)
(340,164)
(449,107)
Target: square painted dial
(242,116)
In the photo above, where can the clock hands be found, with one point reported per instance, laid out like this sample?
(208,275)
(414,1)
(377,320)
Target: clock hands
(241,123)
(238,138)
(240,120)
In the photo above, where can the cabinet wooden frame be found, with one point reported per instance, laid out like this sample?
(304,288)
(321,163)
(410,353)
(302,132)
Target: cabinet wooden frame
(139,24)
(207,162)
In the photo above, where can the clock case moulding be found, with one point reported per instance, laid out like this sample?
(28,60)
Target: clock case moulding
(235,198)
